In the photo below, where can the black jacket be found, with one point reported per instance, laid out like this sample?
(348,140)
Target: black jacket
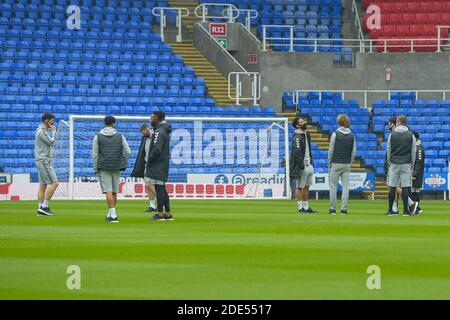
(297,157)
(419,167)
(139,165)
(159,154)
(386,167)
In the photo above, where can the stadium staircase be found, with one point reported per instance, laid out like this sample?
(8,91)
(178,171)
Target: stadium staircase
(216,83)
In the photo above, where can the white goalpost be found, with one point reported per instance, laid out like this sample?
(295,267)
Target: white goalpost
(211,158)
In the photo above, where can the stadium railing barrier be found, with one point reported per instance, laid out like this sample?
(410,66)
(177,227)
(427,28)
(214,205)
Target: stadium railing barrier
(162,12)
(255,79)
(227,10)
(439,28)
(432,44)
(249,15)
(357,20)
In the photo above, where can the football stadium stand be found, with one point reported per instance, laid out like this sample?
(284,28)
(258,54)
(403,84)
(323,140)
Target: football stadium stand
(410,19)
(115,64)
(431,118)
(311,19)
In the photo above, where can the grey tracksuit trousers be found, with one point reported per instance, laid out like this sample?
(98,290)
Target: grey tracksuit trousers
(339,170)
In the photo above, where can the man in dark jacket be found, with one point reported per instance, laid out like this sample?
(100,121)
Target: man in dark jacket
(419,166)
(140,165)
(301,164)
(157,166)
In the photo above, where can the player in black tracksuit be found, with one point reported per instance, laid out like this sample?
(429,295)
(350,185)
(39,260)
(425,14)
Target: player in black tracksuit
(157,166)
(418,170)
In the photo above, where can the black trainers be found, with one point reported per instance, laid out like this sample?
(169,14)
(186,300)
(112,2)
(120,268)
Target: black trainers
(112,220)
(301,210)
(150,209)
(310,211)
(45,212)
(344,212)
(419,210)
(332,211)
(413,208)
(157,217)
(169,217)
(392,213)
(406,214)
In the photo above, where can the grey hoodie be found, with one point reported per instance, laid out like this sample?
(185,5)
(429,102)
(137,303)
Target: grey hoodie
(43,143)
(342,130)
(108,131)
(413,148)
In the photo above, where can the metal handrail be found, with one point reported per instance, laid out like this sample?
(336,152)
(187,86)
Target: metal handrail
(205,16)
(250,32)
(224,50)
(358,23)
(439,36)
(248,15)
(360,43)
(181,12)
(357,20)
(256,87)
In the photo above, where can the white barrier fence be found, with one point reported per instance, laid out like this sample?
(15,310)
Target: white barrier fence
(229,12)
(431,44)
(255,80)
(162,12)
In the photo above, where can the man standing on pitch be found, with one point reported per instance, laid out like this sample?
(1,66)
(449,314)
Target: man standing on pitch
(157,167)
(301,165)
(341,154)
(417,175)
(43,147)
(392,123)
(110,153)
(140,165)
(401,156)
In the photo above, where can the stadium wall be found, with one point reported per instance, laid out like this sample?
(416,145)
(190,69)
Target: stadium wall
(240,44)
(281,72)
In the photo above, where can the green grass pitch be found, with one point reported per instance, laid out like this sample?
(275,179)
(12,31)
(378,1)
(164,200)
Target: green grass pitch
(225,249)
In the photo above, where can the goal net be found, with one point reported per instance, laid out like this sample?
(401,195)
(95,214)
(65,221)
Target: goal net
(211,158)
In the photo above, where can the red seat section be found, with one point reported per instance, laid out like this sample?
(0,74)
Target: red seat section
(403,20)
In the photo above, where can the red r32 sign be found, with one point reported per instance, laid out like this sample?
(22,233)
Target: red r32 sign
(218,29)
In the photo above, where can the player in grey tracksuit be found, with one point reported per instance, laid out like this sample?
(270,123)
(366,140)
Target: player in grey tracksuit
(341,154)
(401,155)
(110,155)
(43,148)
